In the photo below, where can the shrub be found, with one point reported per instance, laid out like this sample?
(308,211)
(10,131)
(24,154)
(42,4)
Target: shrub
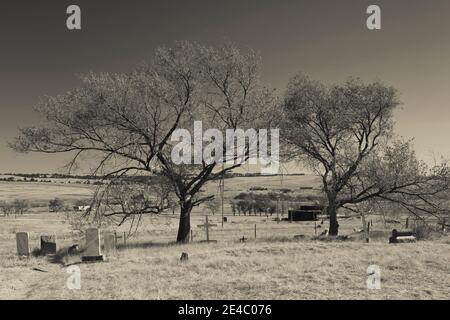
(422,231)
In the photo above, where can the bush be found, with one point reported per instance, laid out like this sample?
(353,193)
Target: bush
(422,231)
(56,205)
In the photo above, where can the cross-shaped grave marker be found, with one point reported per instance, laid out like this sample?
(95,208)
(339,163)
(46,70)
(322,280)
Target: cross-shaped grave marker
(206,225)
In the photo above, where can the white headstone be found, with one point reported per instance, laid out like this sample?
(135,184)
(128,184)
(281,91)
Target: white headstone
(23,246)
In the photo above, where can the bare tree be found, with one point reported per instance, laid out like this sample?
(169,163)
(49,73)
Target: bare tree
(118,121)
(6,208)
(345,134)
(213,206)
(130,200)
(20,206)
(125,121)
(231,98)
(56,205)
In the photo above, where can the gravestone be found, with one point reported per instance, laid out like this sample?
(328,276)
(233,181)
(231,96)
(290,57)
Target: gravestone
(92,251)
(23,246)
(123,236)
(109,243)
(184,257)
(402,237)
(48,245)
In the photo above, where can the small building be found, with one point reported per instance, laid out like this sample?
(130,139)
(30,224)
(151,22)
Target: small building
(305,213)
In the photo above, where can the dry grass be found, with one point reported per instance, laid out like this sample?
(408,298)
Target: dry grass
(255,270)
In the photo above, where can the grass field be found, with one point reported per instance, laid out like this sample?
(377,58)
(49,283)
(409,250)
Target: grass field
(272,266)
(38,194)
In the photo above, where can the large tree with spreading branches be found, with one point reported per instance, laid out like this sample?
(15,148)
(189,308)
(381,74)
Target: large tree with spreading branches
(344,132)
(123,123)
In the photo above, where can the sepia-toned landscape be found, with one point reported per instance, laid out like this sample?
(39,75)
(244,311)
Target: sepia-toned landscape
(219,151)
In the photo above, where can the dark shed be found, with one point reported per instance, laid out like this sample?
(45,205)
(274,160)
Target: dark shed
(305,213)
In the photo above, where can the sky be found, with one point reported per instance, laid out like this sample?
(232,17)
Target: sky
(328,40)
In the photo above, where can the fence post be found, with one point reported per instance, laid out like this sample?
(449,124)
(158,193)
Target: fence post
(365,227)
(255,230)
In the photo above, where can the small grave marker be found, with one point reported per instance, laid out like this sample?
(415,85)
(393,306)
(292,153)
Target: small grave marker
(122,235)
(23,246)
(48,245)
(184,257)
(402,237)
(206,225)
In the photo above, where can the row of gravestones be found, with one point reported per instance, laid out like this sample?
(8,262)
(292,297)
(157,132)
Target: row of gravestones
(92,250)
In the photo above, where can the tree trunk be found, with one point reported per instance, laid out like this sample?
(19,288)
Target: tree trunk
(184,227)
(334,225)
(332,212)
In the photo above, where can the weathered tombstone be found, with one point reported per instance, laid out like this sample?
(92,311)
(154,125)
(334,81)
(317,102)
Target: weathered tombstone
(123,236)
(48,245)
(109,243)
(184,257)
(74,249)
(23,246)
(402,237)
(92,250)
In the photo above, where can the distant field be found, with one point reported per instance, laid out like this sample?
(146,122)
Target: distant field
(37,192)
